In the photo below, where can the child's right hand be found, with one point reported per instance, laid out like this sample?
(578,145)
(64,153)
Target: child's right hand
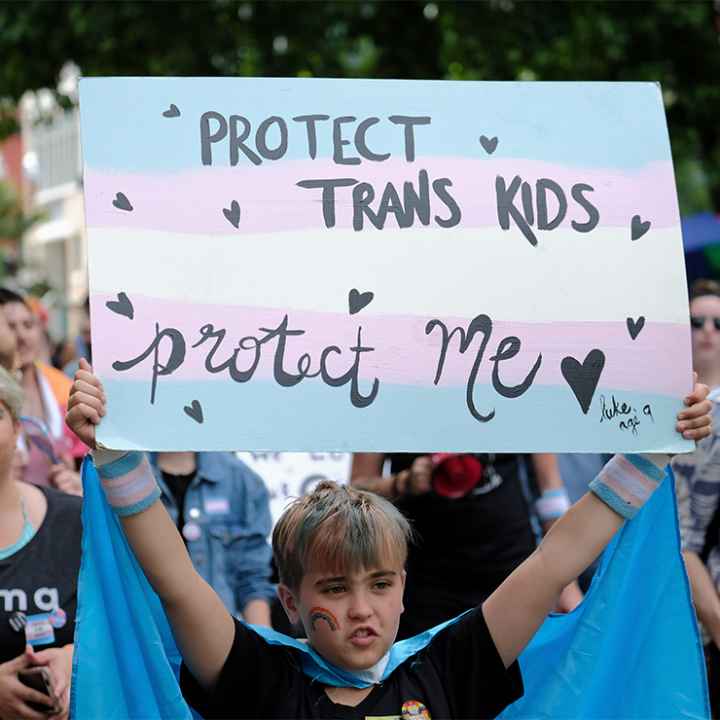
(86,406)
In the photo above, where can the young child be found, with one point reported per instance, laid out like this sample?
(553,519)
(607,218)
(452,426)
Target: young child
(340,553)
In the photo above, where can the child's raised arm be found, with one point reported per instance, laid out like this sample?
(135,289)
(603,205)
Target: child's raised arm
(203,628)
(516,609)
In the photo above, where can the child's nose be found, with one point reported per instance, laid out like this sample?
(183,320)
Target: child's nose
(359,606)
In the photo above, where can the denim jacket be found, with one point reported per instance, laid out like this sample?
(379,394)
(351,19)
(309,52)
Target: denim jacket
(230,505)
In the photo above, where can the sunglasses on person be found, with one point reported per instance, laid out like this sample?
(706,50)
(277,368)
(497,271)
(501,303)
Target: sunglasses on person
(697,322)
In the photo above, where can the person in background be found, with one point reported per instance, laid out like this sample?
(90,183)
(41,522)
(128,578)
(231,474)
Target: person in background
(40,533)
(8,346)
(44,351)
(83,342)
(473,518)
(222,509)
(51,449)
(697,484)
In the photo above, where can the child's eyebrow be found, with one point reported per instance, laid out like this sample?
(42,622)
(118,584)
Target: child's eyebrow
(382,573)
(323,581)
(343,578)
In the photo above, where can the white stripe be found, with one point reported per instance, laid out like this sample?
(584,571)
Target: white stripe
(601,276)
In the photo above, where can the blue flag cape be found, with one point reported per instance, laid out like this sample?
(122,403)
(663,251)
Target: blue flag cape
(630,650)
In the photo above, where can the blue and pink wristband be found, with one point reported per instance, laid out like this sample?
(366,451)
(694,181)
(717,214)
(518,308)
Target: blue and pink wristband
(127,480)
(626,483)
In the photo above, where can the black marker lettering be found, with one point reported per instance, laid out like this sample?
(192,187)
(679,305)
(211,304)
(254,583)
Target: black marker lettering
(439,186)
(237,142)
(480,323)
(174,361)
(363,194)
(207,138)
(418,203)
(409,123)
(508,348)
(310,121)
(593,214)
(542,187)
(261,138)
(361,142)
(328,195)
(506,209)
(339,142)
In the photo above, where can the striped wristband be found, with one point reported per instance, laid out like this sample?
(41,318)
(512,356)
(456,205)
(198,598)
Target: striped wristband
(552,504)
(129,483)
(626,483)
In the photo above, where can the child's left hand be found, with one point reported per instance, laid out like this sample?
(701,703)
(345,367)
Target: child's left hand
(695,421)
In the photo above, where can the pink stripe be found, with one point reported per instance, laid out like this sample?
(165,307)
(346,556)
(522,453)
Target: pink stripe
(403,353)
(622,467)
(270,201)
(130,488)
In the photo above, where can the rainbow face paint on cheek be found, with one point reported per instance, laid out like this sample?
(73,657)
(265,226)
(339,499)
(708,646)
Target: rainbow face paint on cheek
(320,613)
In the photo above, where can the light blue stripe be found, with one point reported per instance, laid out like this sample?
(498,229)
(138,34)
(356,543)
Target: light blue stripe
(646,467)
(599,124)
(560,492)
(122,466)
(610,498)
(314,417)
(139,506)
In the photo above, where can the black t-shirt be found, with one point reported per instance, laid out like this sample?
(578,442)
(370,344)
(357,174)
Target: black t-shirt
(178,486)
(458,675)
(38,584)
(464,547)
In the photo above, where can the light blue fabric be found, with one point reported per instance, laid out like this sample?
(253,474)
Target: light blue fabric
(125,663)
(316,667)
(631,650)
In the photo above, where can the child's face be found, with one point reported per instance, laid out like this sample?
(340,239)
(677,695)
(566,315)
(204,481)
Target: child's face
(351,619)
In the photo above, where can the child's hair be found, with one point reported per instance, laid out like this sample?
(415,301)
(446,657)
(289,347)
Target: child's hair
(703,287)
(340,528)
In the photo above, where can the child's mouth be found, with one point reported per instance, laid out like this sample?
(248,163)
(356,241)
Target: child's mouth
(362,637)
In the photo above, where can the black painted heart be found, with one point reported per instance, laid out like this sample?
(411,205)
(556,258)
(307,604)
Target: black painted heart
(489,144)
(357,300)
(638,228)
(232,214)
(635,326)
(583,379)
(194,411)
(121,306)
(172,111)
(122,203)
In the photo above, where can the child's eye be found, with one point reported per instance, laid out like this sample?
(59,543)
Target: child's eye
(383,585)
(335,589)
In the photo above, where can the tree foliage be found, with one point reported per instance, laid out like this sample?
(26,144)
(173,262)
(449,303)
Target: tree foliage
(670,41)
(13,221)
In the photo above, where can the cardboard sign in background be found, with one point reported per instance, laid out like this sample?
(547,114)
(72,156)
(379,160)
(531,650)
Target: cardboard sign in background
(384,265)
(288,476)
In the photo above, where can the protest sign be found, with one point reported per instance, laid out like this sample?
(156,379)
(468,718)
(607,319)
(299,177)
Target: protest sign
(384,265)
(288,476)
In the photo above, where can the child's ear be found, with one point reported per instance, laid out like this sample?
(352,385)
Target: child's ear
(289,603)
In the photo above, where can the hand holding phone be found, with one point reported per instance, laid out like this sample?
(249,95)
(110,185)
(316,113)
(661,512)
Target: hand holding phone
(39,678)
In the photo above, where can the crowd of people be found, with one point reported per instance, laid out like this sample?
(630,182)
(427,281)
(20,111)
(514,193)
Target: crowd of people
(411,542)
